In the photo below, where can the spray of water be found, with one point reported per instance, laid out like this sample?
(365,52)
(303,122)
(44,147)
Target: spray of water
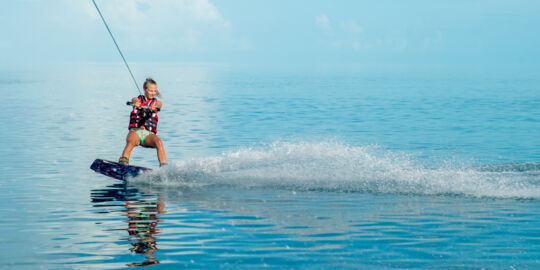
(337,167)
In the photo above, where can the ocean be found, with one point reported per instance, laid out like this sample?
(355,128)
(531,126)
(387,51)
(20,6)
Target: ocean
(268,169)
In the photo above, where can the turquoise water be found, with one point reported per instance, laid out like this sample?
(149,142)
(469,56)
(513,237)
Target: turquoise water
(268,169)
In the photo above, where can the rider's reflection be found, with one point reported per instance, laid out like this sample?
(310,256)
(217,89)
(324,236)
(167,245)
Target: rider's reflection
(142,212)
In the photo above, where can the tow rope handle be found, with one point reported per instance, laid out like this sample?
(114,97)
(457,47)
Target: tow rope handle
(130,103)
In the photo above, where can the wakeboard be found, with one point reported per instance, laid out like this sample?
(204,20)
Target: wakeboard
(117,170)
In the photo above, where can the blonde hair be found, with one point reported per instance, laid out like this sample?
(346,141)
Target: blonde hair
(152,81)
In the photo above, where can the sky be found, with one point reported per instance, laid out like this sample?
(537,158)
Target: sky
(415,34)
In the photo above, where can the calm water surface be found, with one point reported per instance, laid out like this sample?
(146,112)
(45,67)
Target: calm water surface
(272,170)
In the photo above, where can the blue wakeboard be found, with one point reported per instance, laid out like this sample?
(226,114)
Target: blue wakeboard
(117,170)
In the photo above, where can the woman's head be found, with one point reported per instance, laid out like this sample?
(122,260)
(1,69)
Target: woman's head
(150,88)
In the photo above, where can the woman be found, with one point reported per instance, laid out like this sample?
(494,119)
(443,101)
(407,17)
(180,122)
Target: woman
(143,123)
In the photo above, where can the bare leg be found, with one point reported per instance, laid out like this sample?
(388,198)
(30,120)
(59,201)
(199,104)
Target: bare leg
(132,140)
(153,141)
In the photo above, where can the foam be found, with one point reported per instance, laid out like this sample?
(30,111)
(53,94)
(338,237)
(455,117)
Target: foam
(338,167)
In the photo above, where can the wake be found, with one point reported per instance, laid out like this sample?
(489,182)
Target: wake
(337,167)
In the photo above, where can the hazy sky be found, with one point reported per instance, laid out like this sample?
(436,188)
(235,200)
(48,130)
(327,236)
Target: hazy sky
(409,34)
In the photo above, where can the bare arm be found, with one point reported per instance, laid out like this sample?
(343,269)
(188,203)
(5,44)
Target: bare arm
(156,107)
(136,103)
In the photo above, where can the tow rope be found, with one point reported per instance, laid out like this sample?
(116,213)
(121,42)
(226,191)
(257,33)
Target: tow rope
(117,47)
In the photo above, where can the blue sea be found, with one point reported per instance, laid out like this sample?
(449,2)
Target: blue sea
(315,169)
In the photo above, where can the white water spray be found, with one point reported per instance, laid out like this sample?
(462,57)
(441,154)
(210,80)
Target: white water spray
(337,167)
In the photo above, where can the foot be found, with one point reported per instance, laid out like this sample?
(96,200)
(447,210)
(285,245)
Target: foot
(163,164)
(124,160)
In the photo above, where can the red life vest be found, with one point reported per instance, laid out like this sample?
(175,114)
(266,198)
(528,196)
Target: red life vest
(136,119)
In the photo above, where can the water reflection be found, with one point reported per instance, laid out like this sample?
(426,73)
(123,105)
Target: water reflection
(142,211)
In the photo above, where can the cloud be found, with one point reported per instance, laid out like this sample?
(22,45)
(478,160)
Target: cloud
(349,35)
(432,41)
(345,36)
(179,12)
(163,24)
(323,22)
(352,27)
